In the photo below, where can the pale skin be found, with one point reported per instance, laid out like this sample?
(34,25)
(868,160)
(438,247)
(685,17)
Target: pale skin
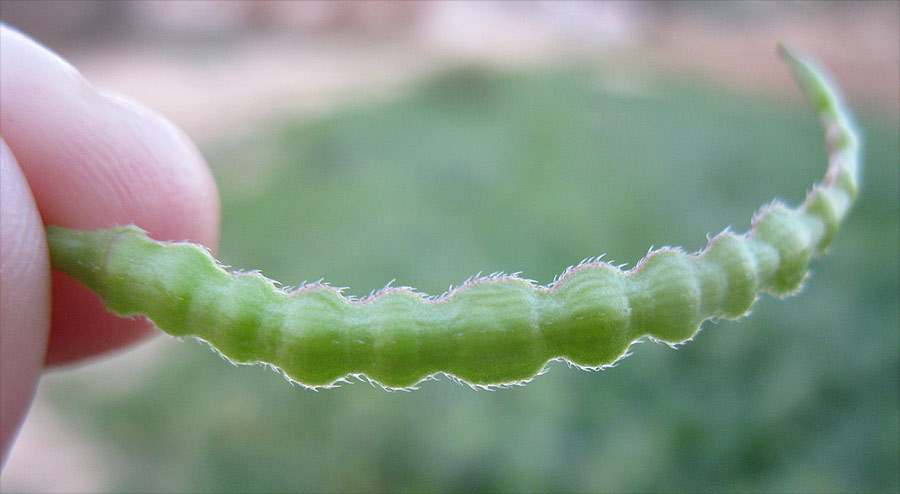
(76,156)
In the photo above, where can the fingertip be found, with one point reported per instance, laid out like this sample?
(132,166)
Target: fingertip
(24,298)
(96,160)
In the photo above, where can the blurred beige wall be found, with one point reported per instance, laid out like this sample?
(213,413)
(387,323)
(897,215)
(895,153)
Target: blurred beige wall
(211,65)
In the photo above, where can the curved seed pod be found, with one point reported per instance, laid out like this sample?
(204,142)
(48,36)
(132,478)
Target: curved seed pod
(490,331)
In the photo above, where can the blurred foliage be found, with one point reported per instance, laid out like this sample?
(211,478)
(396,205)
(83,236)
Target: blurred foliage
(479,171)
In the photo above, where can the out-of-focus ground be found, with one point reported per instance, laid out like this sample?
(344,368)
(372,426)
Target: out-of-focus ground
(223,70)
(219,67)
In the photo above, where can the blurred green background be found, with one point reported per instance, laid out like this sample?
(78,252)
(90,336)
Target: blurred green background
(478,169)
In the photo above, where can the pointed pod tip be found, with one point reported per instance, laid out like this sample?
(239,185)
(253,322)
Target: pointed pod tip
(784,50)
(798,64)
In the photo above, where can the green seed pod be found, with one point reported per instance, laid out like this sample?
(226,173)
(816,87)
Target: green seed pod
(491,331)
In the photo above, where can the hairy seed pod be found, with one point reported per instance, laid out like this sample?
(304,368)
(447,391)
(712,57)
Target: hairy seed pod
(490,331)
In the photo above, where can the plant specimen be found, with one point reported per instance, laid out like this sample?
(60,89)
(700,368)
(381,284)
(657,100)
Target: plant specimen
(490,331)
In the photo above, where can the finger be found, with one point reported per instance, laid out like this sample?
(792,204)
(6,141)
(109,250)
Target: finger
(24,298)
(94,160)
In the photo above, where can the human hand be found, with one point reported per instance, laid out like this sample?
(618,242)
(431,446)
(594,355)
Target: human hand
(74,156)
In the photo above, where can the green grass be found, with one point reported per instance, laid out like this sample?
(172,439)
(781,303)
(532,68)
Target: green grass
(477,171)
